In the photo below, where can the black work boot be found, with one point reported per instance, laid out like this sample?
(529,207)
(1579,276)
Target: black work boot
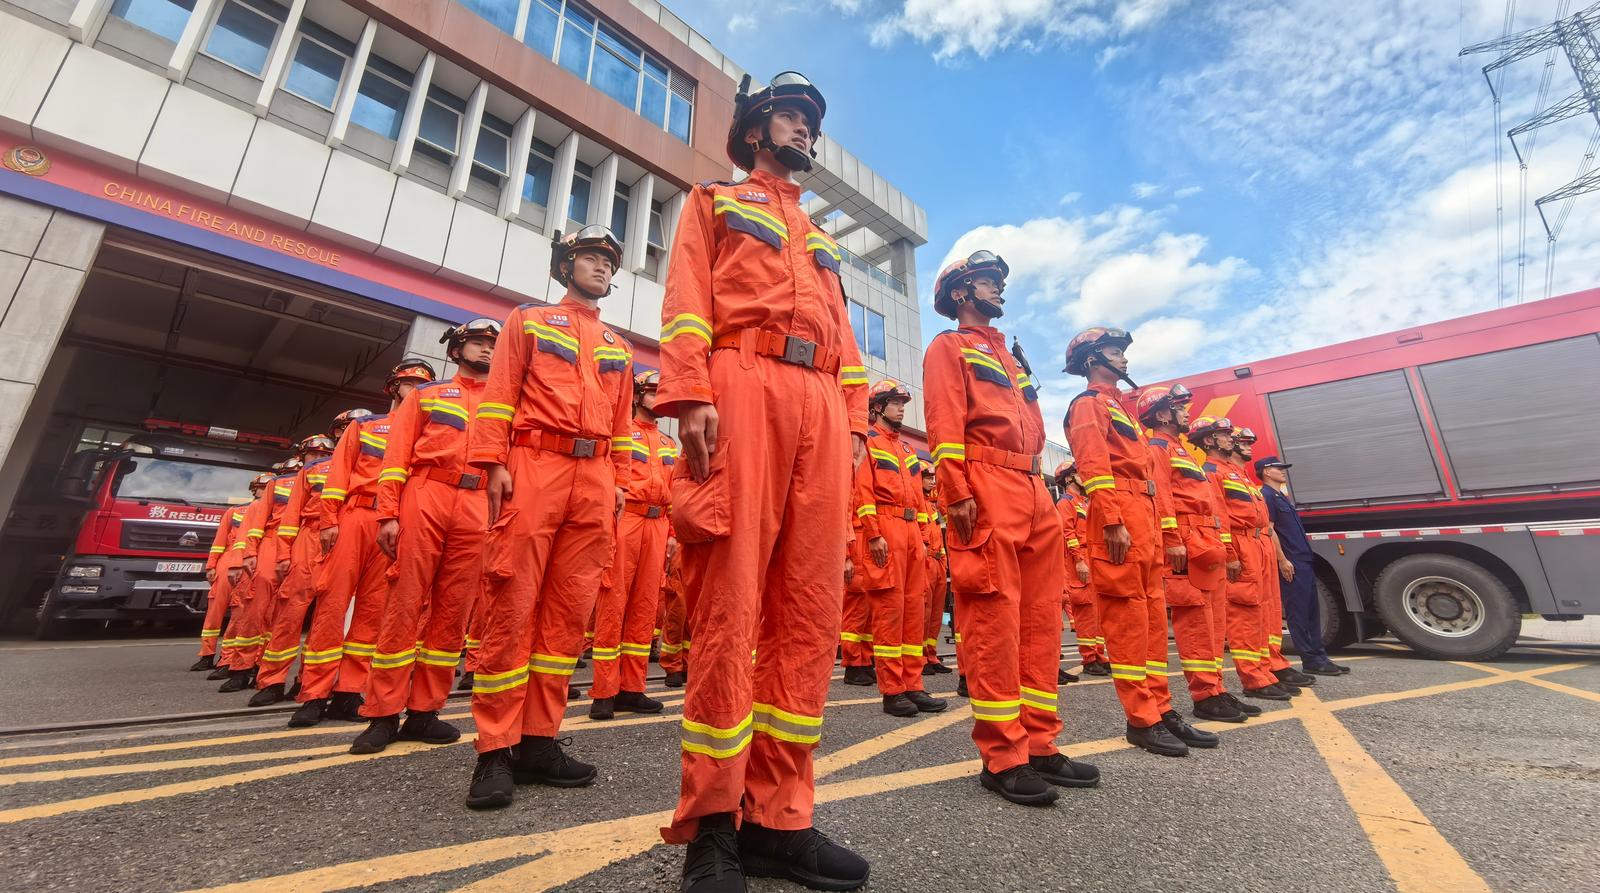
(542,761)
(637,702)
(268,696)
(1217,709)
(926,703)
(1065,678)
(309,714)
(1287,688)
(860,676)
(898,705)
(346,705)
(1157,739)
(1291,676)
(1272,692)
(221,672)
(711,863)
(574,693)
(465,682)
(238,680)
(1097,668)
(937,668)
(1328,669)
(655,652)
(377,735)
(294,690)
(1022,785)
(603,708)
(676,679)
(1248,710)
(1058,770)
(961,685)
(1186,733)
(204,663)
(427,727)
(492,787)
(806,857)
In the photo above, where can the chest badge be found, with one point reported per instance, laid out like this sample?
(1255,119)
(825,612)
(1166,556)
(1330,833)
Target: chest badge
(558,319)
(610,338)
(450,392)
(753,195)
(985,348)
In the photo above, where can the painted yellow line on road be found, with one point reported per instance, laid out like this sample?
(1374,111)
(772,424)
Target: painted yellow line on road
(167,765)
(1415,854)
(827,764)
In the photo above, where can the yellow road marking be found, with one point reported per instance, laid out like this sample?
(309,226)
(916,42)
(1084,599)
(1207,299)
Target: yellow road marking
(1413,851)
(827,764)
(168,765)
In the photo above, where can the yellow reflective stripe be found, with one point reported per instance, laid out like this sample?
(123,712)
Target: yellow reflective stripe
(438,658)
(911,650)
(884,455)
(374,440)
(865,510)
(1201,666)
(636,649)
(886,651)
(995,711)
(552,664)
(500,411)
(854,637)
(922,517)
(979,358)
(1227,537)
(852,375)
(360,649)
(210,633)
(395,660)
(1099,482)
(949,451)
(395,473)
(1244,654)
(719,743)
(218,550)
(785,726)
(1132,672)
(333,493)
(1169,523)
(1156,668)
(550,334)
(1072,542)
(1038,699)
(687,324)
(488,684)
(322,657)
(1234,485)
(815,241)
(725,205)
(1274,640)
(1185,464)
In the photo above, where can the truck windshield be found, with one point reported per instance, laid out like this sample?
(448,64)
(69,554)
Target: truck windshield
(166,480)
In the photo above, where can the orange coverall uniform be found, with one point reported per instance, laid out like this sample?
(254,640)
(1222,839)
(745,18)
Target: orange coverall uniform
(261,595)
(219,560)
(855,622)
(1074,511)
(986,432)
(1118,476)
(1195,596)
(299,530)
(1247,633)
(1271,586)
(674,633)
(889,502)
(238,593)
(626,614)
(336,658)
(938,577)
(555,413)
(438,568)
(754,322)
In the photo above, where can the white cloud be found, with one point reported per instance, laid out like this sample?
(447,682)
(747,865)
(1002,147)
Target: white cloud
(1070,198)
(742,21)
(1146,190)
(1165,273)
(984,27)
(1109,54)
(1162,346)
(1188,191)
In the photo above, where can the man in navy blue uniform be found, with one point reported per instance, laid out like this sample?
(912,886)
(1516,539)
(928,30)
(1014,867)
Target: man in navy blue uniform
(1300,605)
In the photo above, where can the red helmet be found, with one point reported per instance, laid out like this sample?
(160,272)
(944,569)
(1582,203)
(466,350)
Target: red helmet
(962,272)
(595,236)
(645,380)
(1153,400)
(343,420)
(321,443)
(1204,425)
(888,389)
(749,109)
(413,369)
(1245,435)
(261,481)
(455,336)
(1088,342)
(1065,469)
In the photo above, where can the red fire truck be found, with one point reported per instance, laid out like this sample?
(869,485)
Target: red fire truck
(151,507)
(1448,475)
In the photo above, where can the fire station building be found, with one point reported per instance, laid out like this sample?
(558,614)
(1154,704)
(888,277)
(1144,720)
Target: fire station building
(242,213)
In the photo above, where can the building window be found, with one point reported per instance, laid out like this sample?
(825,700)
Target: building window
(501,13)
(868,326)
(544,20)
(243,34)
(653,93)
(681,110)
(616,69)
(316,67)
(619,211)
(578,202)
(381,99)
(577,41)
(439,133)
(164,17)
(489,157)
(656,248)
(541,172)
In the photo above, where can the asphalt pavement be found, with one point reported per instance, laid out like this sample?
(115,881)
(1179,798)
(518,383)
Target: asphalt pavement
(1408,774)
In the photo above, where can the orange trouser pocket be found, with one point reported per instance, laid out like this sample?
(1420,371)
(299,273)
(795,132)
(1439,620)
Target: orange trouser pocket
(700,509)
(972,565)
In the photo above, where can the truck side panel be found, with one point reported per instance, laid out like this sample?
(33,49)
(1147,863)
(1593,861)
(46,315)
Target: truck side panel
(1571,554)
(1514,545)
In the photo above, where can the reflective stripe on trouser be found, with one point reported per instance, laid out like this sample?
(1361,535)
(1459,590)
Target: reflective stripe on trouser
(294,600)
(337,659)
(1272,604)
(1008,582)
(258,594)
(773,584)
(1199,646)
(1247,639)
(626,615)
(1085,621)
(897,611)
(542,562)
(1131,609)
(855,633)
(933,611)
(438,571)
(228,643)
(672,631)
(469,659)
(216,610)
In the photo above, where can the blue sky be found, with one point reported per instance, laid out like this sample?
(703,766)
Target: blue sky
(1229,179)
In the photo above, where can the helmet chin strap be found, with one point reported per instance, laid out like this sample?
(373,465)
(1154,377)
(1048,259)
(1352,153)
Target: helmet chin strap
(477,366)
(1115,371)
(788,156)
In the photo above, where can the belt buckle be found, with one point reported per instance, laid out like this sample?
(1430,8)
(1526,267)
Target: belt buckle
(583,448)
(1035,468)
(1149,488)
(908,514)
(653,511)
(799,351)
(470,481)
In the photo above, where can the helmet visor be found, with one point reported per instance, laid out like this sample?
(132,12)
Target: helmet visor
(1179,395)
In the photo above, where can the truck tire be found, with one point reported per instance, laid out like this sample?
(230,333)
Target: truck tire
(1447,607)
(1338,625)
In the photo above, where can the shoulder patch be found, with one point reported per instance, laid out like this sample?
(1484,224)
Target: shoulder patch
(373,418)
(1157,441)
(872,433)
(432,384)
(528,306)
(707,184)
(1210,466)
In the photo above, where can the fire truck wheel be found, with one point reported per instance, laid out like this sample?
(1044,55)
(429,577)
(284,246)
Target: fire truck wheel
(1448,607)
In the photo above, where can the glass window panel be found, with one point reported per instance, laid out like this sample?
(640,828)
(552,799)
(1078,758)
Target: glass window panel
(616,79)
(678,120)
(380,103)
(584,170)
(440,126)
(242,38)
(619,217)
(578,202)
(618,45)
(314,73)
(577,41)
(164,17)
(653,102)
(657,234)
(875,345)
(858,325)
(655,69)
(536,183)
(501,13)
(540,33)
(491,150)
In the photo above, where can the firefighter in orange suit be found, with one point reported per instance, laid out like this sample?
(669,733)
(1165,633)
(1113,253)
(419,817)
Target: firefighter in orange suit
(227,553)
(760,367)
(1194,590)
(674,634)
(260,599)
(938,569)
(432,514)
(1006,543)
(855,621)
(894,575)
(241,577)
(1074,511)
(336,660)
(625,617)
(1247,637)
(554,438)
(1288,677)
(298,554)
(1125,543)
